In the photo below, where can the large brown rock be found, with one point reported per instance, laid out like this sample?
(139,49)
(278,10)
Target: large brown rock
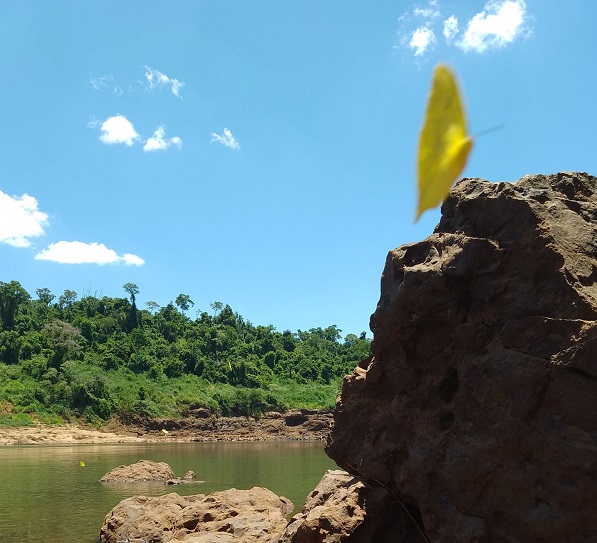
(479,404)
(344,508)
(143,470)
(230,516)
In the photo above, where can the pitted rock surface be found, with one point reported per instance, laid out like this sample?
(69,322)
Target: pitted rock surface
(242,516)
(478,407)
(344,508)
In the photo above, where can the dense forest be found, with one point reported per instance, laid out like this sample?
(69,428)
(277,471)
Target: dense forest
(96,358)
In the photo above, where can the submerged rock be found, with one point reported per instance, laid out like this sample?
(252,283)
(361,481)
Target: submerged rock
(230,516)
(478,406)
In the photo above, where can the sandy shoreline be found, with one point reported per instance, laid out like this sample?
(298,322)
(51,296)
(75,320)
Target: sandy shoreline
(275,427)
(64,435)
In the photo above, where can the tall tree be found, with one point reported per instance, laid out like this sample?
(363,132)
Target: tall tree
(66,301)
(132,290)
(44,295)
(152,306)
(217,307)
(183,301)
(12,295)
(132,320)
(42,304)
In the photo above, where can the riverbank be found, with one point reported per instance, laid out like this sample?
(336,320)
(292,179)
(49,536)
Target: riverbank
(293,425)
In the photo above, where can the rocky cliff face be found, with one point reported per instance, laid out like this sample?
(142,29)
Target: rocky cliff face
(478,407)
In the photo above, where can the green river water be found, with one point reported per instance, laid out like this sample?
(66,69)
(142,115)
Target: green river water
(47,497)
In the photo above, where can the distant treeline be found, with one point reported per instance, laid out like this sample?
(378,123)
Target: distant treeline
(99,357)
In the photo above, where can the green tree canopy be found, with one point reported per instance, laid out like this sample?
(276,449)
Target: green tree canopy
(12,297)
(184,302)
(132,290)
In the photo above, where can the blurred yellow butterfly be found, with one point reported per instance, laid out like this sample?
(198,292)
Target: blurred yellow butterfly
(444,145)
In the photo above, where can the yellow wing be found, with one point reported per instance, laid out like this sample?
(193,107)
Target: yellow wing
(444,145)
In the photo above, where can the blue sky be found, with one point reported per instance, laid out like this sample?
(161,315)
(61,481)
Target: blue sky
(259,153)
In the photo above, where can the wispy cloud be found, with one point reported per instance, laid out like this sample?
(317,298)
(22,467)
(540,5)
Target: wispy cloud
(103,82)
(450,28)
(500,23)
(429,12)
(20,220)
(158,142)
(117,129)
(225,138)
(421,40)
(155,78)
(77,252)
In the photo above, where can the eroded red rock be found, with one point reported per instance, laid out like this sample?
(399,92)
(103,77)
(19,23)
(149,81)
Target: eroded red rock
(478,406)
(243,516)
(143,470)
(344,508)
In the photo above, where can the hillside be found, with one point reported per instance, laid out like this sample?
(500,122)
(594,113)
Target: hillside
(66,357)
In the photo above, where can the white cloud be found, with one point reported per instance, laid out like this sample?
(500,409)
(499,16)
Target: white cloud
(158,142)
(226,138)
(427,13)
(77,252)
(20,219)
(422,39)
(450,28)
(132,260)
(497,25)
(118,129)
(176,86)
(155,78)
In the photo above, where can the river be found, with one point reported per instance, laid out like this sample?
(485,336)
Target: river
(46,496)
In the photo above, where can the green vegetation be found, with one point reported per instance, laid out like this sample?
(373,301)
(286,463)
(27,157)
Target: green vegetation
(98,358)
